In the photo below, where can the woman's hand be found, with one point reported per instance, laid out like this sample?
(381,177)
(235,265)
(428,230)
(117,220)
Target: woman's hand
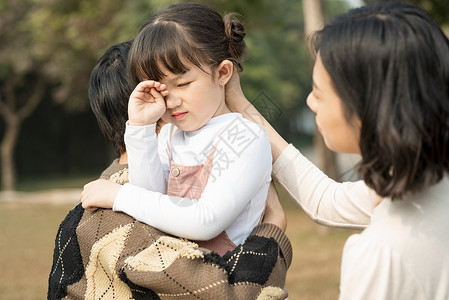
(237,102)
(99,193)
(274,213)
(146,103)
(235,99)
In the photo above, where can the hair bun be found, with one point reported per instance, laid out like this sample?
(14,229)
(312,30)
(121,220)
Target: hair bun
(235,33)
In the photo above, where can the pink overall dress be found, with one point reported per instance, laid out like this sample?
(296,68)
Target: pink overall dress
(189,182)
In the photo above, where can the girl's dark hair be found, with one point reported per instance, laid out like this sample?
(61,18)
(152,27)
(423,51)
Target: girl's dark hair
(185,32)
(389,64)
(109,91)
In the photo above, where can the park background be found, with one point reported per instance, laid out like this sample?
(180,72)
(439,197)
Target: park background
(50,145)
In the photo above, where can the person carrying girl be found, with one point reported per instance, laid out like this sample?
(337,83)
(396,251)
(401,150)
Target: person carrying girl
(206,176)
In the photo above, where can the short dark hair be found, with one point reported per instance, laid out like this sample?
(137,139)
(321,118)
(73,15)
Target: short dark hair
(185,32)
(109,92)
(389,64)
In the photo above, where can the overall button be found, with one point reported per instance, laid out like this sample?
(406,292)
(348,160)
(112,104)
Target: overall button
(175,172)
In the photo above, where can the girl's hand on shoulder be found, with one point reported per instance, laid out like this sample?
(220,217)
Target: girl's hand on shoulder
(146,103)
(99,193)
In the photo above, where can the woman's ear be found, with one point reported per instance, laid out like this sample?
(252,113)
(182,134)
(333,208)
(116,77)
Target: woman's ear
(224,72)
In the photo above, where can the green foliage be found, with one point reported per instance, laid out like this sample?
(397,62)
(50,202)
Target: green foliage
(437,9)
(60,41)
(69,37)
(279,63)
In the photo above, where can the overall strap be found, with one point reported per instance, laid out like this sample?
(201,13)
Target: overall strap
(174,130)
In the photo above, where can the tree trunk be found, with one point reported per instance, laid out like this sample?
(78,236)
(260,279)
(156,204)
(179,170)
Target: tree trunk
(313,15)
(327,158)
(13,119)
(327,162)
(313,21)
(7,153)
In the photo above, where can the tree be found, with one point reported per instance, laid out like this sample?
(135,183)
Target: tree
(314,20)
(57,43)
(21,88)
(48,50)
(437,9)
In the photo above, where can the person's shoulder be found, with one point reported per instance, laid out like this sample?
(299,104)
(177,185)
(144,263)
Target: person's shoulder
(254,126)
(254,131)
(241,135)
(113,168)
(237,123)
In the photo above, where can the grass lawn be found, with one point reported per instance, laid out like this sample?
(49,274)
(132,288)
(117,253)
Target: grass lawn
(27,239)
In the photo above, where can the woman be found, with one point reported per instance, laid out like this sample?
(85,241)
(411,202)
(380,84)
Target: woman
(380,89)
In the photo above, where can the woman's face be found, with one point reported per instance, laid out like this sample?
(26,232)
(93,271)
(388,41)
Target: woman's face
(338,134)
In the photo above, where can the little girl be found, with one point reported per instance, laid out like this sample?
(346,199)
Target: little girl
(206,176)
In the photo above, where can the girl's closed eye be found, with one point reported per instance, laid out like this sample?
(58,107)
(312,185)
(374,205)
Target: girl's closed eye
(184,84)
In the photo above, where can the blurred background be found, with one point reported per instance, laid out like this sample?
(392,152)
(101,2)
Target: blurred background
(50,145)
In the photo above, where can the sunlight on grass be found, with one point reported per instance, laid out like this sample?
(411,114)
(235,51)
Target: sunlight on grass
(317,250)
(27,239)
(315,270)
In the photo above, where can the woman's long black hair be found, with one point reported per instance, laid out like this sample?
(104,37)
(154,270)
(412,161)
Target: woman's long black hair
(389,64)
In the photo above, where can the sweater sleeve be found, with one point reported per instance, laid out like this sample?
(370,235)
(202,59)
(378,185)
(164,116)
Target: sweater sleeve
(327,202)
(146,168)
(228,191)
(272,231)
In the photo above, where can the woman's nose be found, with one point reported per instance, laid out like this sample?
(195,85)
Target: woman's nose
(311,102)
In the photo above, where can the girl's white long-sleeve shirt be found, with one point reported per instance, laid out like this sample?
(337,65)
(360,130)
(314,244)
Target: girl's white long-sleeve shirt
(235,195)
(404,251)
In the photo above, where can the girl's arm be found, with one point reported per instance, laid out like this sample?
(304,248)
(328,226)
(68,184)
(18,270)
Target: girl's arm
(145,169)
(146,106)
(326,201)
(147,164)
(230,188)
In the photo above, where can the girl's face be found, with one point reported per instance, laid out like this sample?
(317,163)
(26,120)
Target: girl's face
(194,98)
(338,134)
